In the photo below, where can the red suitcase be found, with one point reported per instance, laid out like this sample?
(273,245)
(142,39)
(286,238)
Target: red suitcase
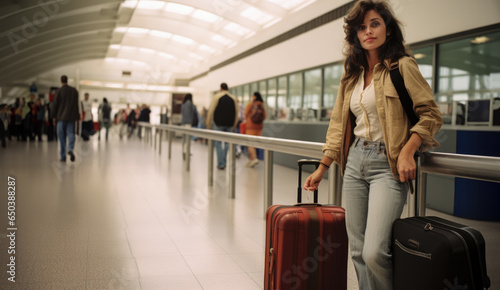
(306,245)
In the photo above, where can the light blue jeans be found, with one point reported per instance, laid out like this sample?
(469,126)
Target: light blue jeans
(221,150)
(66,129)
(374,200)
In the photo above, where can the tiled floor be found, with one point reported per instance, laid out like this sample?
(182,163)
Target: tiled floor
(124,217)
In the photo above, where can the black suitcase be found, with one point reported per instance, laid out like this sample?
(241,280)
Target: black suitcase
(434,253)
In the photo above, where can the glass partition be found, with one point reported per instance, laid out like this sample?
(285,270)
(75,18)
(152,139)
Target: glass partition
(282,93)
(424,56)
(469,68)
(332,75)
(272,98)
(313,85)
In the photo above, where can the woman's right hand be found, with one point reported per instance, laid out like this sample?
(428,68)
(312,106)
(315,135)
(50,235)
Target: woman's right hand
(312,182)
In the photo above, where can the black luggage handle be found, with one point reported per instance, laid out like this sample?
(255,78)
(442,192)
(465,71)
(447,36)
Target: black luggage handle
(302,162)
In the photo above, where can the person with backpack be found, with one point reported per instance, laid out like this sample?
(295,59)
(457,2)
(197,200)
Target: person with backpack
(255,114)
(105,109)
(222,116)
(189,119)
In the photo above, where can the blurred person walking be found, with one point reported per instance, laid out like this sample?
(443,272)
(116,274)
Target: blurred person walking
(255,114)
(87,120)
(222,116)
(65,113)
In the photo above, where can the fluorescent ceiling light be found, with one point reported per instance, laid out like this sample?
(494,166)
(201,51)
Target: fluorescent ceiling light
(115,46)
(151,5)
(236,28)
(419,55)
(114,85)
(256,15)
(480,39)
(205,16)
(136,87)
(137,30)
(182,39)
(162,34)
(178,9)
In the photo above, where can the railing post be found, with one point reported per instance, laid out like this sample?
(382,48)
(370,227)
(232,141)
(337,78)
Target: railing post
(188,151)
(159,144)
(335,185)
(210,162)
(170,137)
(231,171)
(421,194)
(268,179)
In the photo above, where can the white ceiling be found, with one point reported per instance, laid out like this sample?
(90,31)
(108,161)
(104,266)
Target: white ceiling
(159,42)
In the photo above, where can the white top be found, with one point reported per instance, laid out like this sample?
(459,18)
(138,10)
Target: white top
(87,108)
(364,108)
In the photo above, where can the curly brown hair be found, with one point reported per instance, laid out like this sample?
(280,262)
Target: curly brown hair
(393,49)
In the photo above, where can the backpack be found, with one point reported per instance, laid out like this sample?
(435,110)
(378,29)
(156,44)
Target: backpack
(257,113)
(225,112)
(195,121)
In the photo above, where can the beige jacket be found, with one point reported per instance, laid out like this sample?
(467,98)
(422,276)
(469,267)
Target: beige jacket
(395,124)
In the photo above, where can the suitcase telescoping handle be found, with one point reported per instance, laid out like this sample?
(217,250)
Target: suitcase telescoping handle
(302,162)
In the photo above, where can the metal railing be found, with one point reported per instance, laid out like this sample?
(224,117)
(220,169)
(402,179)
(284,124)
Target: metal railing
(467,166)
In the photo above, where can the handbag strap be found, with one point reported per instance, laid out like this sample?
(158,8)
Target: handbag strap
(404,97)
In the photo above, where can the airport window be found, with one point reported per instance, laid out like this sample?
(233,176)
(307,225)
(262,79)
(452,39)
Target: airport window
(467,68)
(424,56)
(457,71)
(263,90)
(271,98)
(246,94)
(332,75)
(281,97)
(312,89)
(295,93)
(254,87)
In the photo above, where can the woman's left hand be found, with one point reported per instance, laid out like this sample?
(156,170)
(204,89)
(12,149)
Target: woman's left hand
(407,167)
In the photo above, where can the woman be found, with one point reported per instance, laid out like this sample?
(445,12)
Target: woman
(371,138)
(255,114)
(188,110)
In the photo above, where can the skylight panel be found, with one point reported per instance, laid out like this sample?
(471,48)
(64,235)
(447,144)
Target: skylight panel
(287,4)
(256,15)
(206,16)
(221,39)
(151,5)
(182,39)
(236,28)
(136,30)
(146,50)
(178,9)
(166,55)
(162,34)
(122,29)
(196,56)
(115,46)
(130,4)
(207,48)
